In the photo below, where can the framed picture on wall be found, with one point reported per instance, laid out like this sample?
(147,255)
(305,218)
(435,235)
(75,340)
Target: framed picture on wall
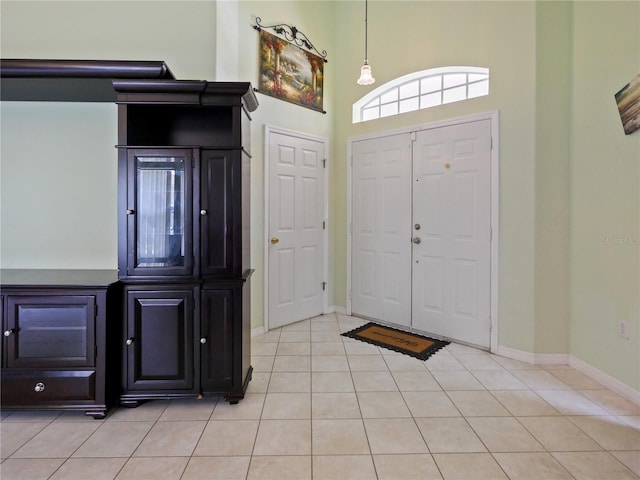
(289,72)
(628,100)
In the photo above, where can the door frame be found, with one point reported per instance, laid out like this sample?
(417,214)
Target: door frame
(494,118)
(268,130)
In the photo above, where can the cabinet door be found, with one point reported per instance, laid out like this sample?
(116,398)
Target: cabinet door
(159,343)
(159,212)
(220,214)
(50,331)
(218,331)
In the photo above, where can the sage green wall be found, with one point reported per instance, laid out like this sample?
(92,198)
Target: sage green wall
(315,19)
(58,192)
(552,181)
(605,169)
(46,146)
(406,36)
(58,161)
(569,178)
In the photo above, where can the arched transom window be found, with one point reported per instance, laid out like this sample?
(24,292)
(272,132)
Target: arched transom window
(424,89)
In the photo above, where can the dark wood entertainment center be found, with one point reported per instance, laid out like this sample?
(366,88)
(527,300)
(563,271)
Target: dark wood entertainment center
(174,320)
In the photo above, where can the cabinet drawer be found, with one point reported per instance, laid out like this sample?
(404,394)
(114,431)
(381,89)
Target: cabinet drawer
(47,387)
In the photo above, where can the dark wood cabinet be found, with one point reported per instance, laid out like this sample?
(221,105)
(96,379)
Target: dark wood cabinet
(183,242)
(56,327)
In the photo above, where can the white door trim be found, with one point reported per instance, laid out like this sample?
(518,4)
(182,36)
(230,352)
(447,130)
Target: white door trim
(493,116)
(268,130)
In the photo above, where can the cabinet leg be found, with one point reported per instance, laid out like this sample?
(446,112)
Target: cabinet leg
(130,403)
(233,399)
(96,414)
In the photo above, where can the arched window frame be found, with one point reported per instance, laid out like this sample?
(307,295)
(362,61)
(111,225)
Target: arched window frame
(420,90)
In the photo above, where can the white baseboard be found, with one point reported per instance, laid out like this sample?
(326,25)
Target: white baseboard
(515,354)
(257,331)
(606,380)
(338,309)
(599,376)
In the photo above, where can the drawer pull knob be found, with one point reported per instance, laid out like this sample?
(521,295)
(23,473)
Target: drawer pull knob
(39,387)
(129,341)
(203,212)
(8,333)
(203,340)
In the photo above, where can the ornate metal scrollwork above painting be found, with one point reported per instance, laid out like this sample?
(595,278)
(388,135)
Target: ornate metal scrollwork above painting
(288,67)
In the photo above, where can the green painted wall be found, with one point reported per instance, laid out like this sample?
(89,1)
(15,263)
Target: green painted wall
(552,180)
(409,36)
(605,185)
(57,191)
(58,161)
(315,19)
(569,178)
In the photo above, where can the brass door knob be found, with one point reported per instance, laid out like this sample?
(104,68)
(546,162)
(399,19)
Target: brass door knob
(274,240)
(447,165)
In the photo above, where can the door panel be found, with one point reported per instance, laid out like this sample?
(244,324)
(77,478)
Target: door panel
(50,331)
(219,214)
(216,346)
(160,340)
(381,231)
(159,203)
(451,198)
(296,221)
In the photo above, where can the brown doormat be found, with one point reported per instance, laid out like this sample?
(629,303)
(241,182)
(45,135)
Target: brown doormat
(397,340)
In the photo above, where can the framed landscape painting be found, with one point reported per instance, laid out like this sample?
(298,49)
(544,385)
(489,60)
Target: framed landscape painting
(289,72)
(628,100)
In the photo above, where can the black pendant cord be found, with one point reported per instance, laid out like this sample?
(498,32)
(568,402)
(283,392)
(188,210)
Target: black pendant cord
(366,31)
(292,34)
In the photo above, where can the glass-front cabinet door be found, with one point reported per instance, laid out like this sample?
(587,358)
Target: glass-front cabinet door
(159,208)
(50,331)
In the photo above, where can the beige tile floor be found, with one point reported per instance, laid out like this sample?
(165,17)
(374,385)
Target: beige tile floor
(324,406)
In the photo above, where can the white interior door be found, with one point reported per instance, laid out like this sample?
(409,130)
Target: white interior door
(421,230)
(381,229)
(452,223)
(296,245)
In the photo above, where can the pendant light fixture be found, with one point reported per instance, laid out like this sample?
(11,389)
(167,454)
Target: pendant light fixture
(365,72)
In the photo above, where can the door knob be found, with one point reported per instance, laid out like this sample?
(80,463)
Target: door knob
(416,240)
(39,387)
(417,226)
(129,341)
(274,240)
(203,212)
(8,333)
(203,340)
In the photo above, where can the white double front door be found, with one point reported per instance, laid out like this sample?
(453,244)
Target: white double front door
(421,230)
